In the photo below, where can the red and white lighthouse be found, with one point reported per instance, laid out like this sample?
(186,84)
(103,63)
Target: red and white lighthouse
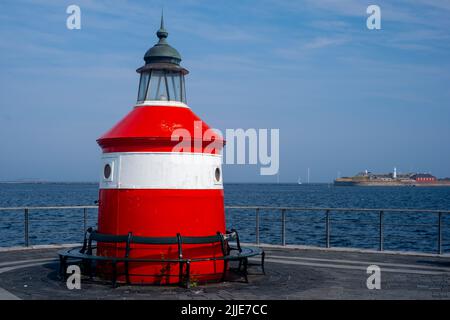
(151,190)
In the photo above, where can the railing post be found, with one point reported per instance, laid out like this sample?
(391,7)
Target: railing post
(283,227)
(327,228)
(440,233)
(84,220)
(257,226)
(26,222)
(381,229)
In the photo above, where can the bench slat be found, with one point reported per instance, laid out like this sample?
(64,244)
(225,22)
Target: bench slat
(159,240)
(103,237)
(201,240)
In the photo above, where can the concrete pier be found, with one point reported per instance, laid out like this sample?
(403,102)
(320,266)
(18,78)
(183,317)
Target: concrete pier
(292,273)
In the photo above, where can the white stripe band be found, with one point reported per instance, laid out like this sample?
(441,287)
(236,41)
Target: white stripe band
(161,103)
(161,170)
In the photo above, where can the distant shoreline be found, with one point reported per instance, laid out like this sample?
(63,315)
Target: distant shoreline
(339,184)
(390,184)
(96,182)
(48,182)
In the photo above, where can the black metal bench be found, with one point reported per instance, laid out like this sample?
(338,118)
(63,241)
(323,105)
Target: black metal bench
(229,253)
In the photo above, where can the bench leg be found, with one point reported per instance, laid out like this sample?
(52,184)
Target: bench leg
(245,272)
(87,267)
(65,265)
(263,256)
(225,266)
(91,270)
(62,267)
(180,275)
(114,275)
(188,274)
(127,274)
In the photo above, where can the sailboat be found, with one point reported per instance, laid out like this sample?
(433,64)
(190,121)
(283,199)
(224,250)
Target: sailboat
(299,181)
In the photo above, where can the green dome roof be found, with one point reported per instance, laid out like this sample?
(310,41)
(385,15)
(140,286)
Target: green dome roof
(162,52)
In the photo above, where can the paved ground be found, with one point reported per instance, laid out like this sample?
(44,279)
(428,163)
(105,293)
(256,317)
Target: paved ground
(291,274)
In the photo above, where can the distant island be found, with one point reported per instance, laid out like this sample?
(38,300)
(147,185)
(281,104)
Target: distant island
(25,181)
(368,178)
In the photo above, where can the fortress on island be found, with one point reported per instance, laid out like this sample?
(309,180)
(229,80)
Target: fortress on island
(367,178)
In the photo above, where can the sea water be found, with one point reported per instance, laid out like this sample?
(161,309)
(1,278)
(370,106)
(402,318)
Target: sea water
(402,231)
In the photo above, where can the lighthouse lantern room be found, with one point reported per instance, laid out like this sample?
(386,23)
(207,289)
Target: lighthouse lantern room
(151,189)
(162,78)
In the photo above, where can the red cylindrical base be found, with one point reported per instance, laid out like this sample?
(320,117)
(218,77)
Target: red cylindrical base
(163,213)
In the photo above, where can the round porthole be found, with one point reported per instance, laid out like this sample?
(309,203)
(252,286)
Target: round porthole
(107,171)
(217,174)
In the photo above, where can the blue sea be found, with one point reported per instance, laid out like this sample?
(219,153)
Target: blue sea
(402,231)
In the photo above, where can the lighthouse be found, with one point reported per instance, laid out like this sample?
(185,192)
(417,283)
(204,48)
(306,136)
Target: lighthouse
(152,188)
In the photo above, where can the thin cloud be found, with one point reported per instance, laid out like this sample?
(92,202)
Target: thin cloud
(323,42)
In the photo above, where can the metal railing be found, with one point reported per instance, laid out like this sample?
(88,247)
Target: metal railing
(439,214)
(26,217)
(327,220)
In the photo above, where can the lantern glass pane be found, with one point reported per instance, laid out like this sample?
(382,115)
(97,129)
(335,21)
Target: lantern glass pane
(174,84)
(157,89)
(143,86)
(183,90)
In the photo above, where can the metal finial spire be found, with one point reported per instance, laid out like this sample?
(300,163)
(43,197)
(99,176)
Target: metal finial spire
(162,33)
(162,52)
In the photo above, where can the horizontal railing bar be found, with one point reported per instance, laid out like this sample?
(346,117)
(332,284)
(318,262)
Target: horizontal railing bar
(77,219)
(49,208)
(254,207)
(377,210)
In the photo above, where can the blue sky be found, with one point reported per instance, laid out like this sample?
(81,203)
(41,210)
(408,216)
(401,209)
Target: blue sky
(345,98)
